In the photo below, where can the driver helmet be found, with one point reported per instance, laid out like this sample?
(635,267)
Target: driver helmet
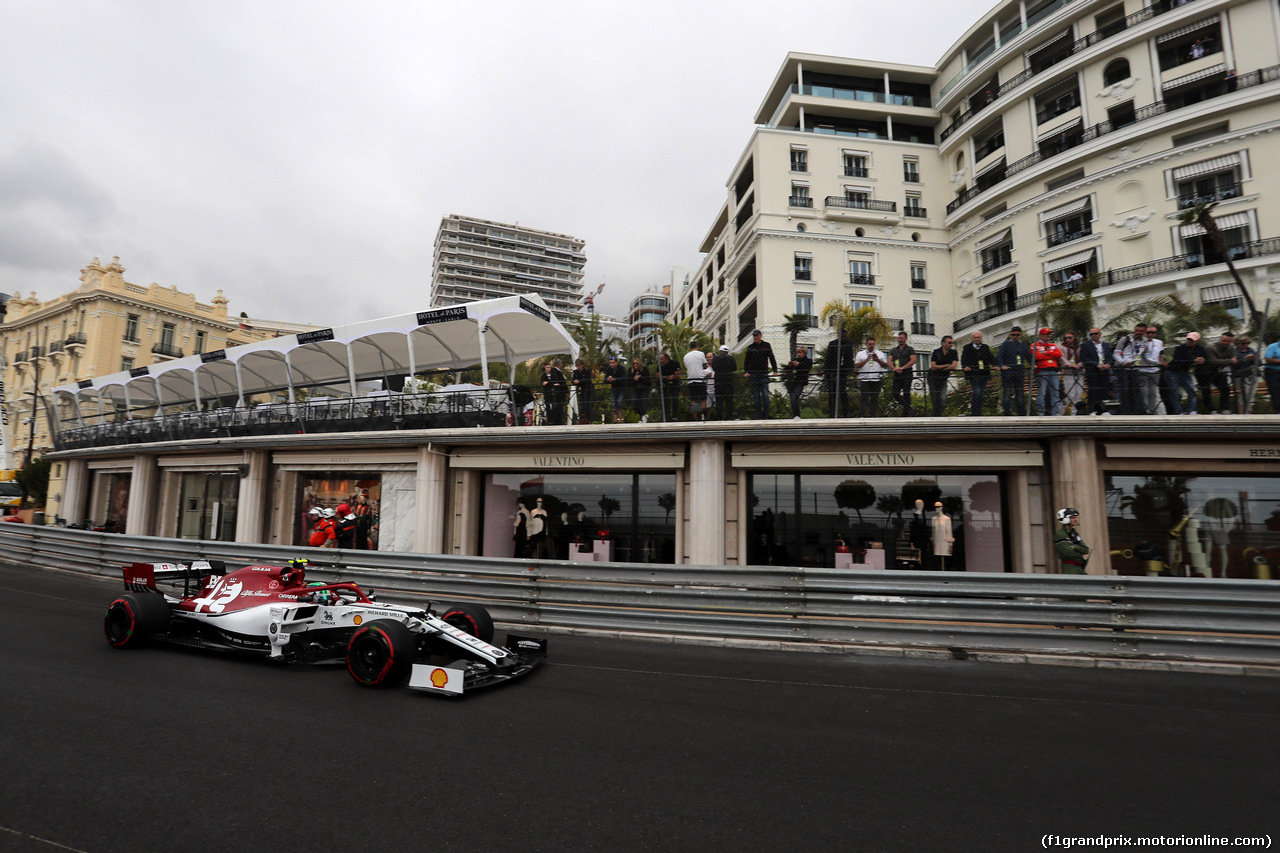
(1066,514)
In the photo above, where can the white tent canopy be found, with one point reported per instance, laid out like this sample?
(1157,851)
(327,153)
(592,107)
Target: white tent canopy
(510,329)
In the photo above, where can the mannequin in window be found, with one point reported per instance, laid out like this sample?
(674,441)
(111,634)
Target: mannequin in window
(521,525)
(943,538)
(540,533)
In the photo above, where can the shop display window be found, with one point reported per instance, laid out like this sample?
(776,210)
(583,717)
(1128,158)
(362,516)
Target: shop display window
(952,522)
(625,518)
(361,492)
(207,507)
(1187,525)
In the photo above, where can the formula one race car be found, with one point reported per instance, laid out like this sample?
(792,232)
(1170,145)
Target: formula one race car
(272,611)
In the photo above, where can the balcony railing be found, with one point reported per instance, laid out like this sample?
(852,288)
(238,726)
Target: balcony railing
(35,352)
(862,204)
(1220,194)
(862,278)
(1057,238)
(856,172)
(921,328)
(1244,81)
(56,347)
(800,201)
(76,339)
(1044,63)
(1163,266)
(166,350)
(916,212)
(860,95)
(1001,259)
(911,177)
(919,284)
(991,146)
(895,325)
(1059,106)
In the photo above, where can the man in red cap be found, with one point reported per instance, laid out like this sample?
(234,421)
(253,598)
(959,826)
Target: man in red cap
(345,527)
(1047,357)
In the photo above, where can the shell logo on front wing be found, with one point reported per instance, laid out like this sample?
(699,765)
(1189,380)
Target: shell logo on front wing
(439,678)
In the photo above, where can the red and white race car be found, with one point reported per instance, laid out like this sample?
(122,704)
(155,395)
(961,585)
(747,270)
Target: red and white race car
(272,611)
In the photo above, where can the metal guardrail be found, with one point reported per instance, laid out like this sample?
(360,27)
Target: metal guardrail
(1171,618)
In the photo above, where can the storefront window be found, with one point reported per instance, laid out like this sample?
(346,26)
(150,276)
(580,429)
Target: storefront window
(543,516)
(116,517)
(1191,526)
(207,509)
(805,519)
(361,492)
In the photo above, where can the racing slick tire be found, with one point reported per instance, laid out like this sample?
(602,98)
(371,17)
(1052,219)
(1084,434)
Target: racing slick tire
(134,618)
(381,653)
(472,618)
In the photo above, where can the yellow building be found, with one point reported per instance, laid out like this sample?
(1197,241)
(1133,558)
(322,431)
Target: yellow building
(105,325)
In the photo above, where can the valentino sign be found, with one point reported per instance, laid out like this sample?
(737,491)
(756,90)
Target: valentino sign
(559,461)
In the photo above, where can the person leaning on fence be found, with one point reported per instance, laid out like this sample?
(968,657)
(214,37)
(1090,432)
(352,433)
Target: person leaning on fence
(1048,357)
(758,362)
(1072,375)
(1126,371)
(695,371)
(795,376)
(942,361)
(837,367)
(1012,359)
(1181,364)
(902,361)
(1072,553)
(639,383)
(584,382)
(668,385)
(1221,360)
(724,368)
(1244,376)
(871,365)
(976,360)
(1096,357)
(555,392)
(615,376)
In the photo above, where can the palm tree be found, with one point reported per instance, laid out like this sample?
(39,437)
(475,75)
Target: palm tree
(593,348)
(858,323)
(677,337)
(1175,317)
(794,325)
(1202,215)
(1069,309)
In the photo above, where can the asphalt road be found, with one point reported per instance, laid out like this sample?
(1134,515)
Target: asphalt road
(612,745)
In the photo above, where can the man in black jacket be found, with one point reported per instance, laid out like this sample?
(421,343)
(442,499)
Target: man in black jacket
(902,361)
(724,368)
(796,376)
(976,360)
(837,367)
(757,363)
(1097,358)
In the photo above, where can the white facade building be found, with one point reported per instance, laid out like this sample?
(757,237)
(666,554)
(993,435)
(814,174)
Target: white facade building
(476,259)
(1052,138)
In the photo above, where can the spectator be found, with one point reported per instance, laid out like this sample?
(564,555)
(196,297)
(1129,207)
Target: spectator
(941,363)
(640,387)
(344,527)
(1012,359)
(870,365)
(976,360)
(1220,360)
(695,371)
(1048,358)
(615,376)
(795,376)
(725,368)
(758,363)
(1096,356)
(584,382)
(1271,373)
(1072,374)
(1244,376)
(669,386)
(1183,361)
(1139,355)
(836,368)
(1126,370)
(902,361)
(1074,281)
(555,392)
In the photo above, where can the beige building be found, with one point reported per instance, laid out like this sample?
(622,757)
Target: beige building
(104,326)
(1053,138)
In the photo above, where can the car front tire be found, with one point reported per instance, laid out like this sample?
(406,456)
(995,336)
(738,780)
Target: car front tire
(472,618)
(381,653)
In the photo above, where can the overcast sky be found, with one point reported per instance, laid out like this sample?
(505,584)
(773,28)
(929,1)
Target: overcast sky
(299,155)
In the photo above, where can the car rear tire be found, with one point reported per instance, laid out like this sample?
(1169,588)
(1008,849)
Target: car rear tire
(472,618)
(381,653)
(134,618)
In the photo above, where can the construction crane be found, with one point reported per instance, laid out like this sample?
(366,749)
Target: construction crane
(589,301)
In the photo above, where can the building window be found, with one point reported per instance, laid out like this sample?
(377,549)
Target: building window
(1203,184)
(804,303)
(804,268)
(920,323)
(911,170)
(126,363)
(167,331)
(1225,295)
(131,328)
(911,206)
(860,269)
(857,303)
(800,196)
(997,256)
(1115,71)
(799,160)
(199,343)
(919,278)
(1200,250)
(1072,224)
(855,165)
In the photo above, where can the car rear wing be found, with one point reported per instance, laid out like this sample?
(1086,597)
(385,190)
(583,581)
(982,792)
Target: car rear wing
(142,577)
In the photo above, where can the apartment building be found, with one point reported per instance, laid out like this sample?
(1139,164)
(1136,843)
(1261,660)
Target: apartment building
(104,326)
(1053,138)
(477,259)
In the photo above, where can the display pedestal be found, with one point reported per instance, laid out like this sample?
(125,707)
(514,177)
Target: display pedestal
(844,560)
(604,551)
(576,556)
(874,561)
